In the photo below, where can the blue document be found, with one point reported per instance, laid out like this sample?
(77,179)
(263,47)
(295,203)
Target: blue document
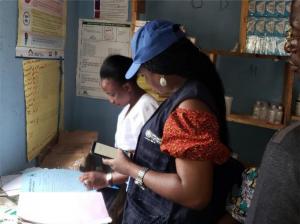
(52,180)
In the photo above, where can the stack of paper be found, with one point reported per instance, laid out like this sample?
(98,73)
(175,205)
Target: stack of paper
(11,184)
(63,208)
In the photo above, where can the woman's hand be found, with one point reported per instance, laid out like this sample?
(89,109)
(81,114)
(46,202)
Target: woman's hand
(119,164)
(94,180)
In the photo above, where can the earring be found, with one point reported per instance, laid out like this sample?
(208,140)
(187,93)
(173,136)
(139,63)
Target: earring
(162,81)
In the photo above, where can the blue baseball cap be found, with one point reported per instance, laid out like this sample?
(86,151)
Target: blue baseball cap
(149,41)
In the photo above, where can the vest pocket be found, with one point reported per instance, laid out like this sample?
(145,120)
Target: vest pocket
(135,212)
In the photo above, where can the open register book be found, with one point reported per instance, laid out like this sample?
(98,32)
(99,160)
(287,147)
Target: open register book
(56,196)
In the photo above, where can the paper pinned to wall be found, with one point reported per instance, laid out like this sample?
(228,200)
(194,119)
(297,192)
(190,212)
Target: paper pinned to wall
(41,28)
(41,86)
(113,10)
(98,39)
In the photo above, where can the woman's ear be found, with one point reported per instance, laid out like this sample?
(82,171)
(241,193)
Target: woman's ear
(127,87)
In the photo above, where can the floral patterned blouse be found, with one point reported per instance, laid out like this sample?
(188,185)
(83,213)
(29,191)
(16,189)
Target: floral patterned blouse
(193,134)
(240,202)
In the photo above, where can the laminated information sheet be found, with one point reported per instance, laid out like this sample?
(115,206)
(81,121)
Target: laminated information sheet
(41,28)
(96,40)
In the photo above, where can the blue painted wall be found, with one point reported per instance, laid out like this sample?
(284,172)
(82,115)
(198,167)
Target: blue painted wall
(70,63)
(215,24)
(12,117)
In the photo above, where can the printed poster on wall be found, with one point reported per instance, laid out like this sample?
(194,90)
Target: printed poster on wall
(112,10)
(41,28)
(41,87)
(96,40)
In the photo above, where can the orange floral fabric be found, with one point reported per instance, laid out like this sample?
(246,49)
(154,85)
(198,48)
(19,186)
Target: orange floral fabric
(193,134)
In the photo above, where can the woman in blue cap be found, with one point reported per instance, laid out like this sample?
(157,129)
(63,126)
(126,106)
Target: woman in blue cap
(182,170)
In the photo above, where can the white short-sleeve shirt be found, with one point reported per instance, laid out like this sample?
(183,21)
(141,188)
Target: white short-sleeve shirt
(130,124)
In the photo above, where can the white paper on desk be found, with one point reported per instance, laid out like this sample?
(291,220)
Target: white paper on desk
(11,184)
(63,207)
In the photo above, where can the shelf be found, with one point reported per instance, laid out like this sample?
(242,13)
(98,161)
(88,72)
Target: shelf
(239,54)
(249,120)
(295,118)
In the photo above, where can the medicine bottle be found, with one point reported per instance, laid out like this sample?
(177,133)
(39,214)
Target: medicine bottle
(264,111)
(279,115)
(272,112)
(256,110)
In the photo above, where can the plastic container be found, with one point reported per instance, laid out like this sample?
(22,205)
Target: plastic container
(256,110)
(263,115)
(272,114)
(279,115)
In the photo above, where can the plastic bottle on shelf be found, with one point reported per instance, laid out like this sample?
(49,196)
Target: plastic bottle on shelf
(272,114)
(279,115)
(264,111)
(256,110)
(297,110)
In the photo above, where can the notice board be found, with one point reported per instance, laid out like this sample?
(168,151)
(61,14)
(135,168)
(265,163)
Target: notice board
(42,93)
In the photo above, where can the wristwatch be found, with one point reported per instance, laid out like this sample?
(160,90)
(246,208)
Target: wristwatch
(108,178)
(139,180)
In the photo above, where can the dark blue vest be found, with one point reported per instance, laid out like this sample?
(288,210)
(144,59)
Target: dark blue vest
(145,206)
